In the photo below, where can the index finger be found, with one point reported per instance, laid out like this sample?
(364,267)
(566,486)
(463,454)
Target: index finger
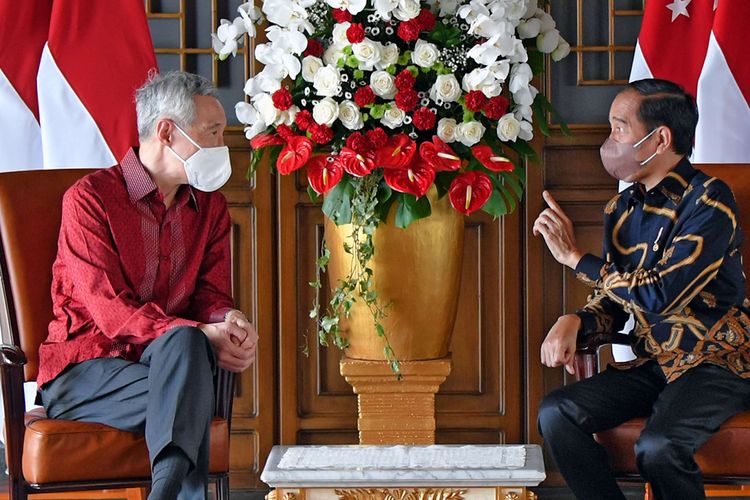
(551,202)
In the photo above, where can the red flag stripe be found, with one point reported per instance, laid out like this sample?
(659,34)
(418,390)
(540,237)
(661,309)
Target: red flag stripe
(104,50)
(732,17)
(23,33)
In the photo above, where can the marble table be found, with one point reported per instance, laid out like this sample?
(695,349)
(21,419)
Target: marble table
(433,472)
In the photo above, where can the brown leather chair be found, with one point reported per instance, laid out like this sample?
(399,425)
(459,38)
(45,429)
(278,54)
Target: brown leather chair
(46,455)
(724,458)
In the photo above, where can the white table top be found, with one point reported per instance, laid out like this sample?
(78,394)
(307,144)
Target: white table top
(434,465)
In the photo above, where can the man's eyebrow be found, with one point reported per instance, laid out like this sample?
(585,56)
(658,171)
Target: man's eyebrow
(618,119)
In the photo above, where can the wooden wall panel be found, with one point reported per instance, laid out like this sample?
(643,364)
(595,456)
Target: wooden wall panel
(252,277)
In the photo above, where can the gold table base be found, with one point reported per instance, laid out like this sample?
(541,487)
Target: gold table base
(466,493)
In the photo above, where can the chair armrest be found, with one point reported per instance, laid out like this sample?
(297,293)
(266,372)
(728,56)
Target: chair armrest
(12,359)
(587,346)
(11,355)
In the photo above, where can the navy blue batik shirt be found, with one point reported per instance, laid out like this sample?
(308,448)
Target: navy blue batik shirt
(672,258)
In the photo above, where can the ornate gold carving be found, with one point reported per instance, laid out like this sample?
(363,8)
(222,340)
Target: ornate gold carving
(511,496)
(272,495)
(401,494)
(290,496)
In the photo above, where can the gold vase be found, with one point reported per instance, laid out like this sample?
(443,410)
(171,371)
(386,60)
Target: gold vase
(417,272)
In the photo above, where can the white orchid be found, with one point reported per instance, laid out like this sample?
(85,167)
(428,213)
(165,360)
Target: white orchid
(448,7)
(251,16)
(529,28)
(268,80)
(227,38)
(385,7)
(548,41)
(290,14)
(562,50)
(353,6)
(482,79)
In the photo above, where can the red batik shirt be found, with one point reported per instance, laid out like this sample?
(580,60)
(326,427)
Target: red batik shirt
(128,269)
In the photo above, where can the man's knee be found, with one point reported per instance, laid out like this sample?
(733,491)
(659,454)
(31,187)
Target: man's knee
(656,453)
(551,415)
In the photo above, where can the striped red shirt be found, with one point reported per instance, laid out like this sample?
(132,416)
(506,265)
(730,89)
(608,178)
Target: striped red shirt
(128,269)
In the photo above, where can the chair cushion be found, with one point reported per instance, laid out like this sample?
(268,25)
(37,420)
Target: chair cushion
(725,454)
(86,451)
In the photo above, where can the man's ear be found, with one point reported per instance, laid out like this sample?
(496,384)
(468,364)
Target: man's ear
(664,135)
(164,130)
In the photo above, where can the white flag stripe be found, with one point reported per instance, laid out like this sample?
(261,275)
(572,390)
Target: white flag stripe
(724,123)
(70,137)
(21,139)
(640,69)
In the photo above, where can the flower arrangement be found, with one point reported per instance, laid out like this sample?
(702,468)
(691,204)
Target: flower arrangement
(382,99)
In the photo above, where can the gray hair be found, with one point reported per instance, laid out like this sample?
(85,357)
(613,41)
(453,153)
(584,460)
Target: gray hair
(169,95)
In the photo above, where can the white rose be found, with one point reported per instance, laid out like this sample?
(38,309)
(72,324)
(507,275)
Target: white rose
(508,128)
(339,33)
(266,109)
(367,53)
(327,81)
(310,66)
(406,10)
(333,53)
(526,131)
(445,88)
(383,84)
(470,133)
(547,41)
(388,56)
(425,54)
(325,112)
(350,116)
(446,129)
(393,117)
(529,28)
(562,50)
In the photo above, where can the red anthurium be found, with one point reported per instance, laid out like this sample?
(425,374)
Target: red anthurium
(294,155)
(398,152)
(264,140)
(439,155)
(494,162)
(323,174)
(470,191)
(355,163)
(414,178)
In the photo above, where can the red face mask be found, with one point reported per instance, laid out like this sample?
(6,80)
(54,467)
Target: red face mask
(619,160)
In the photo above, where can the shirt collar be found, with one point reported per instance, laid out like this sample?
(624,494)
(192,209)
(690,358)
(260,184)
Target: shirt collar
(140,185)
(674,185)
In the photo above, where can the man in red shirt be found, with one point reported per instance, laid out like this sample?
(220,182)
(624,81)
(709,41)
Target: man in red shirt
(141,288)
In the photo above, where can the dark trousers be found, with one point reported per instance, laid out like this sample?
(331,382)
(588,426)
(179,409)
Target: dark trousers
(168,396)
(682,415)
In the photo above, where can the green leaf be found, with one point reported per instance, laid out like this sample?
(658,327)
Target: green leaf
(540,117)
(255,158)
(410,209)
(513,182)
(496,205)
(314,196)
(385,201)
(468,116)
(273,152)
(443,182)
(337,204)
(536,61)
(545,106)
(522,148)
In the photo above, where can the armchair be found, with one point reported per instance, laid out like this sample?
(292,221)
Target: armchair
(47,455)
(723,459)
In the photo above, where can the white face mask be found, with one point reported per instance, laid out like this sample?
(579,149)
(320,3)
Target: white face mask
(208,168)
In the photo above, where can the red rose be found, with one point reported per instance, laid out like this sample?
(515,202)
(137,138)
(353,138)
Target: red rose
(424,119)
(426,20)
(405,80)
(475,100)
(303,119)
(341,15)
(314,48)
(406,100)
(355,33)
(322,134)
(408,31)
(285,131)
(377,137)
(496,107)
(364,96)
(282,99)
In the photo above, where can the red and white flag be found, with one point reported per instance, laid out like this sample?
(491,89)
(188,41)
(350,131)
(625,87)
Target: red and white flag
(88,58)
(699,45)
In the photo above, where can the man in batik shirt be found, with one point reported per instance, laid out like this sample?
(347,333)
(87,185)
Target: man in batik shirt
(672,259)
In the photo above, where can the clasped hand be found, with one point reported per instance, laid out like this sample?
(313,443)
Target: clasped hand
(234,341)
